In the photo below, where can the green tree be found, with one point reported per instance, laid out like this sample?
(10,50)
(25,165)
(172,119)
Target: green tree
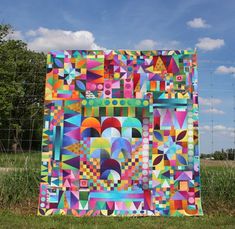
(231,154)
(22,74)
(220,155)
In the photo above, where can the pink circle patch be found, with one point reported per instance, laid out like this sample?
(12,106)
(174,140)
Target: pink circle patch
(107,85)
(191,200)
(100,86)
(91,86)
(107,92)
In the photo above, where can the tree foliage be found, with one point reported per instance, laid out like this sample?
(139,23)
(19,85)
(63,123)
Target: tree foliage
(22,74)
(228,154)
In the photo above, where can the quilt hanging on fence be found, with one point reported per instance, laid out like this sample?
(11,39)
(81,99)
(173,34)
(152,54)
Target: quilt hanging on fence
(120,134)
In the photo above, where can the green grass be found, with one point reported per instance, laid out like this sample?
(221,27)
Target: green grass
(218,190)
(11,220)
(19,190)
(20,160)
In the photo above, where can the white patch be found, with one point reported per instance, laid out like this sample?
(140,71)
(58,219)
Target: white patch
(44,39)
(208,44)
(198,23)
(225,70)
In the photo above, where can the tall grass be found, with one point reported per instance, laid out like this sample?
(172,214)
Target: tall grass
(19,187)
(20,160)
(19,180)
(218,189)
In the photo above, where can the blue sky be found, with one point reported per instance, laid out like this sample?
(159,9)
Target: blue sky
(208,25)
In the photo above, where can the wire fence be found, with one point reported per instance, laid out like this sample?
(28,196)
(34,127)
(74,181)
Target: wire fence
(21,119)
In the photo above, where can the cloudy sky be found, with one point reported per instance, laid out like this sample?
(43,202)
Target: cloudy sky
(208,25)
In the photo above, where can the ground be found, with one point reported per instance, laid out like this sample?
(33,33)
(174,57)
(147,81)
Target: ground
(10,220)
(19,209)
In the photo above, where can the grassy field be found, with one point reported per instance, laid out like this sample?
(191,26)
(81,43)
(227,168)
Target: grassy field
(19,193)
(20,160)
(9,220)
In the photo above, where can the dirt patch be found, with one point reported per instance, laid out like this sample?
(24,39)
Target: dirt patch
(215,163)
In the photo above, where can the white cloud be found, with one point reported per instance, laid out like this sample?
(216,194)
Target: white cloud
(198,23)
(221,127)
(32,33)
(172,45)
(225,70)
(148,44)
(218,129)
(44,39)
(213,111)
(208,44)
(15,35)
(205,102)
(209,101)
(206,128)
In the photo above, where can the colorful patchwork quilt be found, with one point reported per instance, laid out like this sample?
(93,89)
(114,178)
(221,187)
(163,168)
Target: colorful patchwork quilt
(120,134)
